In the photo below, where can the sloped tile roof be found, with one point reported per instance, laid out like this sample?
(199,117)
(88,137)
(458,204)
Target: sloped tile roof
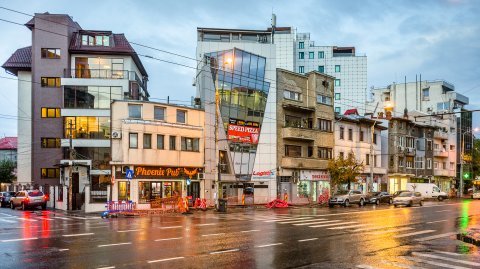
(8,143)
(21,59)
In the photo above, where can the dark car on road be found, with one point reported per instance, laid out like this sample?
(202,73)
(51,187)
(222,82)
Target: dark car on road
(379,197)
(26,199)
(5,197)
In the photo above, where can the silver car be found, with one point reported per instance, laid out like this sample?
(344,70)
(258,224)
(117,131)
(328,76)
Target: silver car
(346,198)
(408,198)
(26,199)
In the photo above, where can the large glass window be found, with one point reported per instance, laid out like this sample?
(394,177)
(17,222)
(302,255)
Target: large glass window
(325,125)
(91,96)
(96,40)
(135,111)
(50,112)
(50,82)
(50,172)
(99,67)
(322,99)
(292,95)
(49,142)
(159,113)
(147,141)
(190,144)
(133,140)
(87,127)
(324,153)
(124,190)
(50,53)
(100,156)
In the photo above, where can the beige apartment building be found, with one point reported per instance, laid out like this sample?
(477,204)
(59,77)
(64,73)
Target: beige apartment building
(305,116)
(157,151)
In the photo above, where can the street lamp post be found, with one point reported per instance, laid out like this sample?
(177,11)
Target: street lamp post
(462,153)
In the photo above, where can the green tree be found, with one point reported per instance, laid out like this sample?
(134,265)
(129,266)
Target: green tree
(476,159)
(344,170)
(6,171)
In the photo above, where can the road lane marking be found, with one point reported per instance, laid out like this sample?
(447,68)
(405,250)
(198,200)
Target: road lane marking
(370,229)
(430,222)
(61,218)
(167,259)
(213,234)
(392,231)
(477,264)
(73,235)
(316,222)
(414,233)
(275,220)
(333,224)
(127,231)
(45,218)
(348,227)
(19,239)
(299,221)
(248,231)
(7,214)
(205,224)
(225,251)
(401,265)
(448,253)
(268,245)
(27,219)
(434,263)
(364,266)
(9,221)
(442,211)
(166,239)
(63,249)
(170,227)
(309,239)
(435,237)
(117,244)
(108,267)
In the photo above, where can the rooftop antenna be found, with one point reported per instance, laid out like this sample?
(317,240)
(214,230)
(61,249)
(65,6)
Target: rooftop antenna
(274,24)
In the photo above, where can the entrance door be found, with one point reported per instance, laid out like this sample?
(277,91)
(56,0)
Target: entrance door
(193,190)
(76,197)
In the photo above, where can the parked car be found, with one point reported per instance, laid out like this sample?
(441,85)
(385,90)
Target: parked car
(428,190)
(5,197)
(379,197)
(397,193)
(408,198)
(26,199)
(346,198)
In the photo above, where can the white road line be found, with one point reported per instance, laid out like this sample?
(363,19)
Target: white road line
(118,244)
(205,224)
(477,264)
(332,224)
(108,267)
(370,229)
(167,239)
(309,239)
(63,249)
(213,234)
(61,218)
(364,266)
(442,211)
(316,222)
(414,233)
(225,251)
(167,259)
(9,221)
(46,218)
(439,264)
(435,237)
(430,222)
(27,219)
(268,245)
(72,235)
(6,214)
(401,265)
(19,239)
(391,231)
(170,227)
(348,227)
(127,231)
(299,221)
(248,231)
(275,220)
(448,253)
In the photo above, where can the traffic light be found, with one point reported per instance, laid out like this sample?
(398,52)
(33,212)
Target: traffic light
(466,175)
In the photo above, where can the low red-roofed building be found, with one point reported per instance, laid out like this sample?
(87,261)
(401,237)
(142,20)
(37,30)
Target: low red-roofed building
(8,149)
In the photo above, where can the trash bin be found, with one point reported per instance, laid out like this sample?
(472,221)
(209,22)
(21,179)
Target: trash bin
(222,205)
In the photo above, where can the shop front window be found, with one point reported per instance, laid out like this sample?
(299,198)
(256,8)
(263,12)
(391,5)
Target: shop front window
(303,189)
(124,191)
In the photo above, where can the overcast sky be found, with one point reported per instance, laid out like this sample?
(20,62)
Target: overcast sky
(439,39)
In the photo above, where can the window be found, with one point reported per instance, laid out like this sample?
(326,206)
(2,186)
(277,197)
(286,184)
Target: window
(48,142)
(159,113)
(90,97)
(342,133)
(367,159)
(223,160)
(181,116)
(160,142)
(135,111)
(124,190)
(133,140)
(99,67)
(321,55)
(173,142)
(87,127)
(190,144)
(429,163)
(337,96)
(322,99)
(337,68)
(337,109)
(292,121)
(324,153)
(375,161)
(293,151)
(341,155)
(311,55)
(444,165)
(409,162)
(410,142)
(310,152)
(435,165)
(325,125)
(429,144)
(321,69)
(49,112)
(419,162)
(292,95)
(301,69)
(301,45)
(50,82)
(401,162)
(452,166)
(337,82)
(426,94)
(401,141)
(350,134)
(50,53)
(50,172)
(361,136)
(99,40)
(374,138)
(301,55)
(452,147)
(147,141)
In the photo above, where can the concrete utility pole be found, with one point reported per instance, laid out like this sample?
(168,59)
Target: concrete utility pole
(372,163)
(70,192)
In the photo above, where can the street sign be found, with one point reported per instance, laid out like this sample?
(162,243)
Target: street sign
(129,174)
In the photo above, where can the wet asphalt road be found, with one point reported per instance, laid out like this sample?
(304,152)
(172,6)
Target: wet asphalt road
(368,237)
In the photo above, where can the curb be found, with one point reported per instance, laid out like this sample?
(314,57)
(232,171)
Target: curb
(468,238)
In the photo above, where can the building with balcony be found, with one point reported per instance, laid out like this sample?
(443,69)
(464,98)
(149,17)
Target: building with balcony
(304,134)
(67,80)
(163,145)
(353,135)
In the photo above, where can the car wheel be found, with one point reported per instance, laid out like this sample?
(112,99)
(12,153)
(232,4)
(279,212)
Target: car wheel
(12,206)
(377,202)
(440,198)
(411,204)
(390,201)
(346,203)
(421,203)
(362,202)
(395,205)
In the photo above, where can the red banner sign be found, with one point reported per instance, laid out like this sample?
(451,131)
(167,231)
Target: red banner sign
(244,134)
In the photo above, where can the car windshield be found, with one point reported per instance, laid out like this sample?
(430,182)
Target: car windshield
(405,194)
(341,192)
(374,193)
(35,193)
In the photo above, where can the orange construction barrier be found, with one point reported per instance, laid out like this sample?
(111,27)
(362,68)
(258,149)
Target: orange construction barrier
(285,197)
(243,199)
(197,203)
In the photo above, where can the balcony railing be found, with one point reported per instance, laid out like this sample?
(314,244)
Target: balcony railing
(440,153)
(98,73)
(440,134)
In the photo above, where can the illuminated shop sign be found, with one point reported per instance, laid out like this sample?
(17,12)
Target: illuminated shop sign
(243,132)
(165,172)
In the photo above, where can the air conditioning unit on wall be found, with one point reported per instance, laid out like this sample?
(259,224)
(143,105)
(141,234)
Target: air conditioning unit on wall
(116,135)
(200,176)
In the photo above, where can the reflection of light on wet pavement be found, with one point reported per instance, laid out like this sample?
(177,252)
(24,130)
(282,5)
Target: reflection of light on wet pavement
(464,219)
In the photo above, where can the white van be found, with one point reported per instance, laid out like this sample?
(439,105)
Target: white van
(428,190)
